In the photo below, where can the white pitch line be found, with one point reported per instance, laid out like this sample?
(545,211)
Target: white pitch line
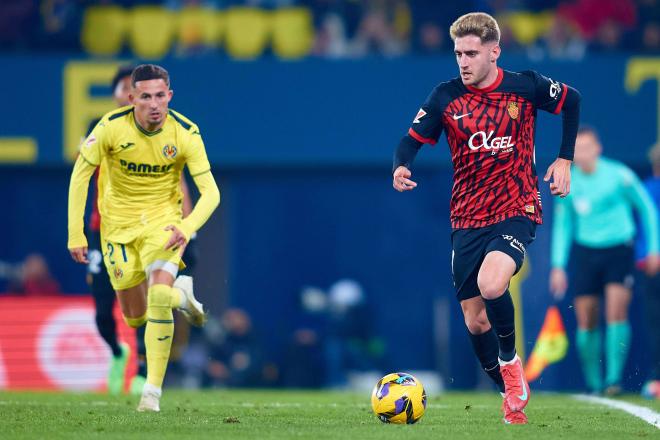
(642,412)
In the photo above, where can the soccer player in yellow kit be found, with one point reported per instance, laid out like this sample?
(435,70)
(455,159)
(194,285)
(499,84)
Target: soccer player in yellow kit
(141,150)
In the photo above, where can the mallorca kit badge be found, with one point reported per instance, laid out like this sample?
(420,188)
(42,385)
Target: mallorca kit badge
(169,151)
(513,110)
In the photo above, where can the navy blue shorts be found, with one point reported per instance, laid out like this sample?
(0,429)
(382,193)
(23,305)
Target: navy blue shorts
(470,246)
(594,268)
(100,281)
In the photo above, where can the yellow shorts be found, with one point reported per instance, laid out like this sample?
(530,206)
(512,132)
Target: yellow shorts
(130,254)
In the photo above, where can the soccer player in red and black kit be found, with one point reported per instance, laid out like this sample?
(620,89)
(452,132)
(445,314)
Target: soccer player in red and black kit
(489,115)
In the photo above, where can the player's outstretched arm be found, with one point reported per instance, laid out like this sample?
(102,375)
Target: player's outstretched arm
(404,155)
(77,243)
(560,170)
(209,199)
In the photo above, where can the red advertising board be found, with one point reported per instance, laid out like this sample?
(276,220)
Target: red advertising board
(51,343)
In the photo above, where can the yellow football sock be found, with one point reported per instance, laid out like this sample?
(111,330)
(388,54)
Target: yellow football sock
(161,299)
(136,322)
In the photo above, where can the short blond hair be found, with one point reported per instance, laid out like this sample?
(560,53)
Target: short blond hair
(654,154)
(478,24)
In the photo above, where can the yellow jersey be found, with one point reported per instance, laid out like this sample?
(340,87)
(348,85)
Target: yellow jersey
(140,173)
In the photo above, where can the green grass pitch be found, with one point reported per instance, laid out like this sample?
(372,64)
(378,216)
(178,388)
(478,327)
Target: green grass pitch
(241,414)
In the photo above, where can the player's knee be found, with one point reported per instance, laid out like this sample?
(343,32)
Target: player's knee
(135,322)
(491,284)
(159,295)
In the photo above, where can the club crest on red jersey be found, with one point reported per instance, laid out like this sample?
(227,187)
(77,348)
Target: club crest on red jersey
(169,151)
(513,110)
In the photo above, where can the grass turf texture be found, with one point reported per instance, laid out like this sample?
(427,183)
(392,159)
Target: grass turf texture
(239,414)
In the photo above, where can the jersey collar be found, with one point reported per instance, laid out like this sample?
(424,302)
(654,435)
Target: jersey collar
(145,131)
(490,88)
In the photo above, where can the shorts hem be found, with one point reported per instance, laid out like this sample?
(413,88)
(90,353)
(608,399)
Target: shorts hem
(130,286)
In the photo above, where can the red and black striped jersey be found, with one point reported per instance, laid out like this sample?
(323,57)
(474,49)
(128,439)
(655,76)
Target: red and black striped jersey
(490,133)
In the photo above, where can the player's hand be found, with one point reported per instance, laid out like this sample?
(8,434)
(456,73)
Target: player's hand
(177,240)
(558,283)
(79,254)
(401,179)
(560,172)
(652,264)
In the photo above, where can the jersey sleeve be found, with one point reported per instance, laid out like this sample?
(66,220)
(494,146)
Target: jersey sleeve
(96,144)
(427,125)
(641,200)
(547,94)
(196,159)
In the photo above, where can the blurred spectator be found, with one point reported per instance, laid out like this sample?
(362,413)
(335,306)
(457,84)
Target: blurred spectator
(334,339)
(609,37)
(61,21)
(9,272)
(431,39)
(359,28)
(35,278)
(384,30)
(562,41)
(304,364)
(18,19)
(590,15)
(268,4)
(646,36)
(336,22)
(431,21)
(236,359)
(349,344)
(651,38)
(178,4)
(507,38)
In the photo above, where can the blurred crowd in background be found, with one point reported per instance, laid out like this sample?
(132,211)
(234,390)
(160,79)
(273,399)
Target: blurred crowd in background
(333,337)
(559,29)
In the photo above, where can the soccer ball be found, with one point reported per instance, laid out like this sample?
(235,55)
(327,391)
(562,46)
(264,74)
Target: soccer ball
(399,398)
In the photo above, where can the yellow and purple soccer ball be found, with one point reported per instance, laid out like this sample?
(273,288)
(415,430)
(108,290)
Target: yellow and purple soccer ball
(399,398)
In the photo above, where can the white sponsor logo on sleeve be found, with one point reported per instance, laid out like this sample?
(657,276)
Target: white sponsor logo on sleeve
(420,114)
(555,89)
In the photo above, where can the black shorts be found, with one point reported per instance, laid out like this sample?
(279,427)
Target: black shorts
(102,291)
(594,268)
(470,246)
